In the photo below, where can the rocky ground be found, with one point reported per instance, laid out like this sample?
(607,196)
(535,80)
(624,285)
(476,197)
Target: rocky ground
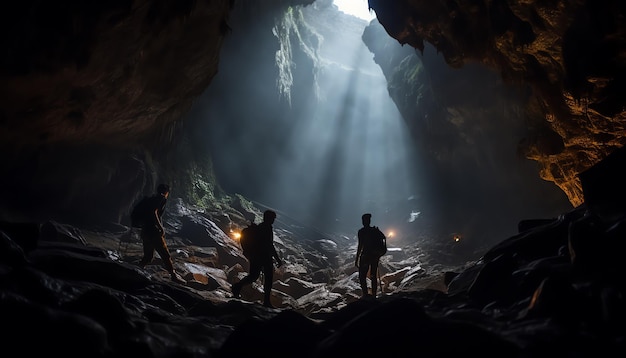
(555,288)
(318,276)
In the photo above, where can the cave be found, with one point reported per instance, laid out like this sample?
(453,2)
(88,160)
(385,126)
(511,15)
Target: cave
(486,138)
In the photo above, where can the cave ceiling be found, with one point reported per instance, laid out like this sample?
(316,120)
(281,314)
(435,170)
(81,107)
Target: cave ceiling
(111,71)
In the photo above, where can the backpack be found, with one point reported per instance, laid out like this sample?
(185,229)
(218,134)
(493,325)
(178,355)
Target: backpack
(249,241)
(379,244)
(140,212)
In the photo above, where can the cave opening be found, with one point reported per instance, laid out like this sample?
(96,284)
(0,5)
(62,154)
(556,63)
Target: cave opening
(330,147)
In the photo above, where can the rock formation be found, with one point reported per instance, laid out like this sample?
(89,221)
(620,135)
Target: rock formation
(569,54)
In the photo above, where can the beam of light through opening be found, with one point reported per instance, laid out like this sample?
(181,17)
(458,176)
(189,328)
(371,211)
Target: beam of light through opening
(326,160)
(349,156)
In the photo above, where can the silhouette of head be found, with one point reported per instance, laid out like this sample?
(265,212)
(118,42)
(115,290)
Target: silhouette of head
(163,189)
(367,219)
(269,216)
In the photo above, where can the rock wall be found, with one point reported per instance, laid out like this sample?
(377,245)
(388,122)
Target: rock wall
(92,102)
(570,54)
(109,73)
(467,123)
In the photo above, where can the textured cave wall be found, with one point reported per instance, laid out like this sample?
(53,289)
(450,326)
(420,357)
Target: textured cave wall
(569,53)
(468,124)
(77,183)
(111,72)
(91,99)
(247,98)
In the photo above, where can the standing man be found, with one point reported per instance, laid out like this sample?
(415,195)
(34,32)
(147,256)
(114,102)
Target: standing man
(153,233)
(262,259)
(368,254)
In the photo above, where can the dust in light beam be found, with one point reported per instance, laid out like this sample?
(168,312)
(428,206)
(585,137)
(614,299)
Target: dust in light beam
(358,8)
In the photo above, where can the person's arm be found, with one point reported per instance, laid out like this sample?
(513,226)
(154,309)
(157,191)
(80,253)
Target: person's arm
(279,262)
(358,251)
(158,214)
(159,223)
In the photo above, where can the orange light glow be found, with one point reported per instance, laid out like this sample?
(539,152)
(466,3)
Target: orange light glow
(456,237)
(391,234)
(236,235)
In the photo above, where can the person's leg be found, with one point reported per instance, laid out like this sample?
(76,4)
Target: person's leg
(148,248)
(164,252)
(255,272)
(373,273)
(268,280)
(363,268)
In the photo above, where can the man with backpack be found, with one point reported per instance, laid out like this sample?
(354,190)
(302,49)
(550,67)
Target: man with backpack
(153,232)
(372,245)
(262,258)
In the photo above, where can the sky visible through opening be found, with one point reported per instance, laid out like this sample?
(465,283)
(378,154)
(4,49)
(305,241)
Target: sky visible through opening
(358,8)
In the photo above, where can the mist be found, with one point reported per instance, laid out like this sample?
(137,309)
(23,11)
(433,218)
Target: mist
(324,152)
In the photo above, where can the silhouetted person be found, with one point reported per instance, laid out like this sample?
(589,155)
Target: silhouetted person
(366,255)
(262,259)
(153,233)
